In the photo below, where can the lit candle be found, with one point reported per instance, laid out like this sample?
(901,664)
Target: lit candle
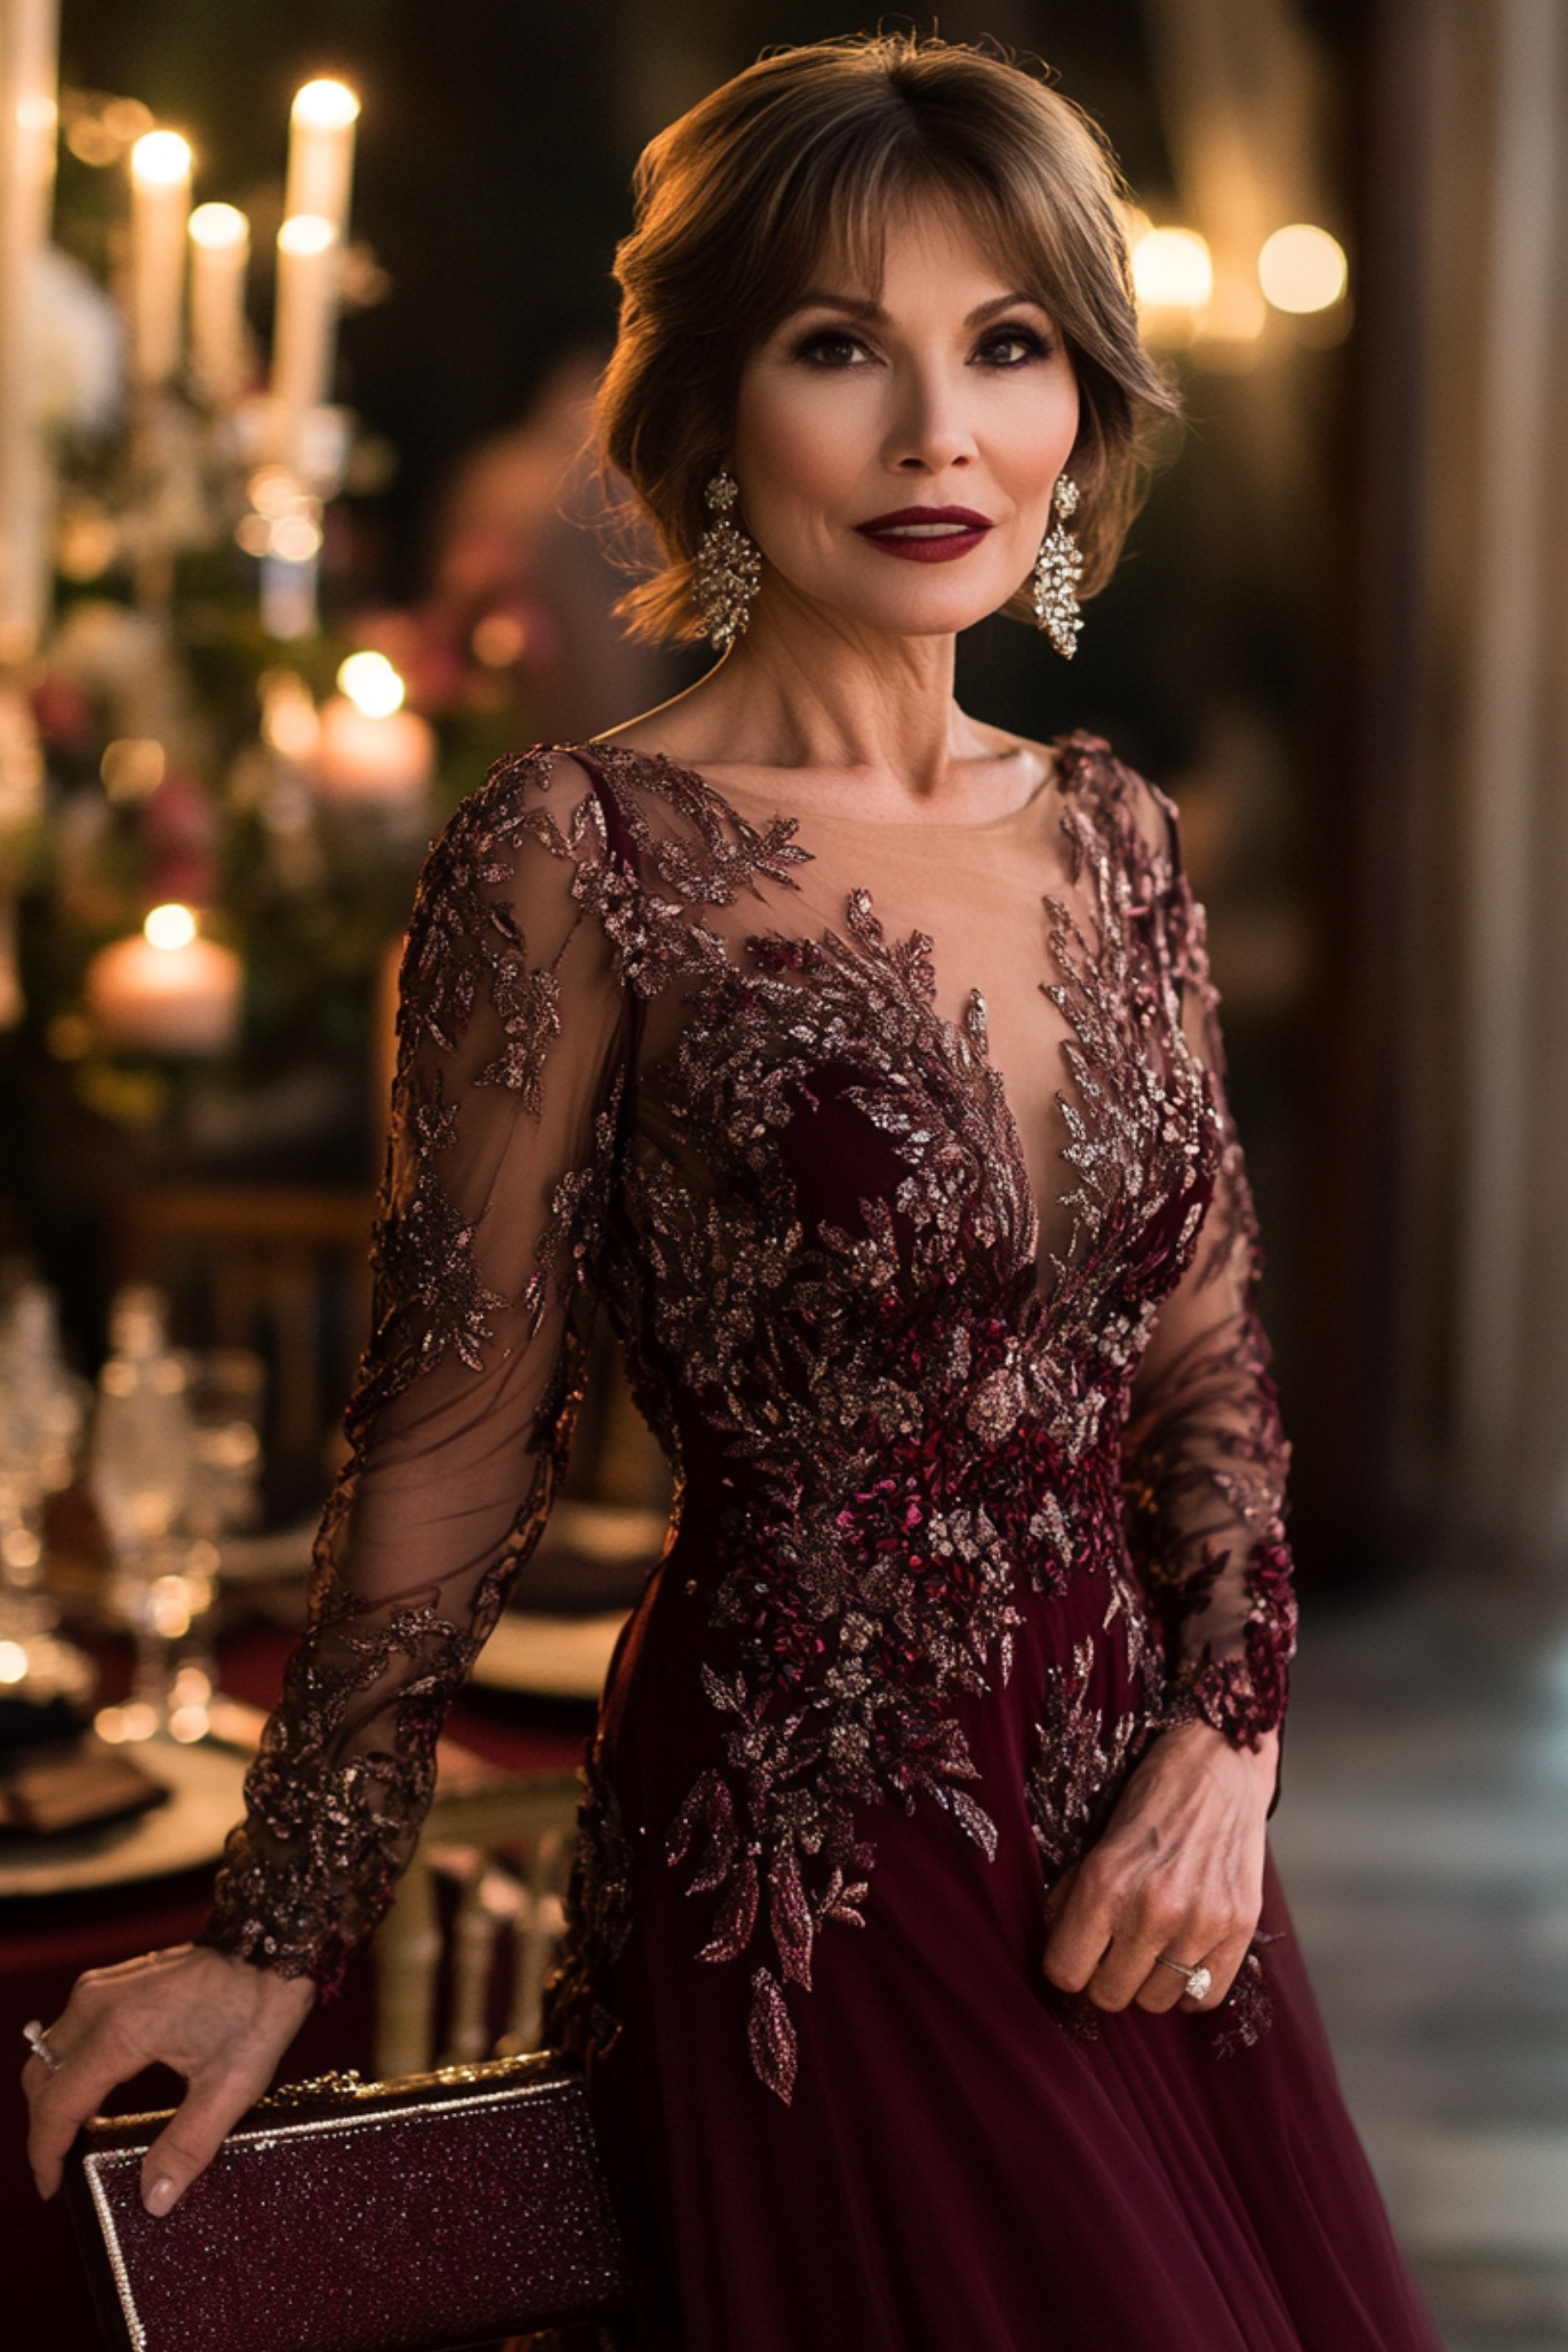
(308,271)
(167,990)
(220,253)
(161,206)
(322,153)
(28,39)
(368,748)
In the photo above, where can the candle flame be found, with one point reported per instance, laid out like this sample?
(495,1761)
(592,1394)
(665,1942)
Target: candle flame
(371,685)
(219,226)
(325,105)
(170,928)
(1303,269)
(161,159)
(306,233)
(1172,269)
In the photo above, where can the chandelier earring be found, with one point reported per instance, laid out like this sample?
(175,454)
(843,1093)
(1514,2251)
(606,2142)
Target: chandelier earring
(1059,568)
(729,568)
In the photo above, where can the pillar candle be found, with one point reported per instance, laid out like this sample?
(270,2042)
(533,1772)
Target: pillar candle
(220,255)
(309,259)
(322,153)
(167,990)
(388,758)
(161,206)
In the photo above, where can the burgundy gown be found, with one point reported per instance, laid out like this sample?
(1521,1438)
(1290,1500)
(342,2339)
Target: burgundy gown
(898,1156)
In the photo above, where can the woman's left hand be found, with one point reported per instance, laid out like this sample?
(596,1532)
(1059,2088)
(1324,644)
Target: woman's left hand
(1177,1876)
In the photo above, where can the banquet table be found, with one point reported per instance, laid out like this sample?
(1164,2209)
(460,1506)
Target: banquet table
(47,1940)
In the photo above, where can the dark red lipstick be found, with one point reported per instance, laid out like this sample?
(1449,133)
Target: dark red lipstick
(926,534)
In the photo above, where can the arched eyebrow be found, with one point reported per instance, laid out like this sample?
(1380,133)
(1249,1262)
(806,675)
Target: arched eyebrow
(857,306)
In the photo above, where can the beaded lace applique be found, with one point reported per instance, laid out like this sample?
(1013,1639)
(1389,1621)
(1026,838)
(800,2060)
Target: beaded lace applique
(920,1435)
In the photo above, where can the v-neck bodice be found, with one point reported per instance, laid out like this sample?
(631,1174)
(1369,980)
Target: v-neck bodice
(1009,934)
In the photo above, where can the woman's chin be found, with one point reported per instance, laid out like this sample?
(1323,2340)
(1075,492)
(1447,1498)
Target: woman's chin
(925,609)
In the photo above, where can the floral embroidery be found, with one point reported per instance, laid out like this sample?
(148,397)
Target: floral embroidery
(1082,1763)
(1247,2012)
(815,1235)
(423,1257)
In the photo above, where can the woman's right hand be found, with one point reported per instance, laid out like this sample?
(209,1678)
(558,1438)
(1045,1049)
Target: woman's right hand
(220,2022)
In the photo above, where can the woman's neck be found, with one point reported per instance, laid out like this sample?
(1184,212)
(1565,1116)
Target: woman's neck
(806,691)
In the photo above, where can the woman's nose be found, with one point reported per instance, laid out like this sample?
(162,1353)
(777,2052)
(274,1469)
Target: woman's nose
(931,432)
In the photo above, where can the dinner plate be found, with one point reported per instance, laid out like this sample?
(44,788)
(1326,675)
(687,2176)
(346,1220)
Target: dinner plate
(552,1657)
(204,1801)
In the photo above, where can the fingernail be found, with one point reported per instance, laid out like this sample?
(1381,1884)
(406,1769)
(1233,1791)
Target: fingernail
(161,2196)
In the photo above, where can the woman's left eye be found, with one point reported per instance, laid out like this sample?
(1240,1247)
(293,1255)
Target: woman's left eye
(1011,347)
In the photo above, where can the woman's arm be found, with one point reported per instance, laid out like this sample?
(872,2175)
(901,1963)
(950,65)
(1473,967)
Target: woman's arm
(1178,1874)
(513,1032)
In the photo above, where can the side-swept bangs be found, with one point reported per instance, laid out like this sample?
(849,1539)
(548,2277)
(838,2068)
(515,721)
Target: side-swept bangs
(801,163)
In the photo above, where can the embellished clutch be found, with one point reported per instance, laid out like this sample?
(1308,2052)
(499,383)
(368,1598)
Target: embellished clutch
(341,2216)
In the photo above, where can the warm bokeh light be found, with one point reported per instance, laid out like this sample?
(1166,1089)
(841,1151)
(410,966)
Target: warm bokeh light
(1303,269)
(273,490)
(498,640)
(162,159)
(134,1720)
(132,766)
(219,226)
(306,233)
(371,685)
(12,1662)
(326,105)
(1235,313)
(170,927)
(294,538)
(1172,269)
(288,718)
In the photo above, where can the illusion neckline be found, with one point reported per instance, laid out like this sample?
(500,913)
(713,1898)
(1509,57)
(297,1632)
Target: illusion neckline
(802,820)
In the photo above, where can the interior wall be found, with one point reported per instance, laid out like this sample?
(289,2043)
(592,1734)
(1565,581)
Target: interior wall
(1447,1261)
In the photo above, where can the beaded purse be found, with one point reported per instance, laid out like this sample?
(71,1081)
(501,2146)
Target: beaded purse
(340,2216)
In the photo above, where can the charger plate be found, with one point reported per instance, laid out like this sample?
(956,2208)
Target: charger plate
(205,1789)
(552,1657)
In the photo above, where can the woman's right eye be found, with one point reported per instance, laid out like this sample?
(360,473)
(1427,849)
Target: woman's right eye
(830,347)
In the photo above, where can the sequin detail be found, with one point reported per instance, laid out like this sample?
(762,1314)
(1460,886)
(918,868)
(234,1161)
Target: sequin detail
(807,1207)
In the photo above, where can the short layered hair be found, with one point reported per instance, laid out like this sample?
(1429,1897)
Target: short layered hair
(803,160)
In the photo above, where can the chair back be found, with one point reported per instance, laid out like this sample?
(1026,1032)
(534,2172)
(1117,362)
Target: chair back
(462,1957)
(280,1269)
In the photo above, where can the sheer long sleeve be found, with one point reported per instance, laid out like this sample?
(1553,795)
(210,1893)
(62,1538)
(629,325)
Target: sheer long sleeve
(489,1232)
(1204,1457)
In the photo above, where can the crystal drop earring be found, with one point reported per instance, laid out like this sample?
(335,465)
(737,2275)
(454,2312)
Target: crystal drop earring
(1059,568)
(729,568)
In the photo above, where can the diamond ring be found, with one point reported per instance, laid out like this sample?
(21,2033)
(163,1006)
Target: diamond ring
(33,2034)
(1199,1979)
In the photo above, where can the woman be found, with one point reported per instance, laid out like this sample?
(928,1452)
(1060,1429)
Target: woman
(925,1961)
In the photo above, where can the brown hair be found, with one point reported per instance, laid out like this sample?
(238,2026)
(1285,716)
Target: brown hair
(810,151)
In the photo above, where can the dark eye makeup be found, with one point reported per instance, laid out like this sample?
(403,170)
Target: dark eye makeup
(1005,347)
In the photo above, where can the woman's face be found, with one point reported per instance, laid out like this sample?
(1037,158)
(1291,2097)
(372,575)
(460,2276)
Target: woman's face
(896,457)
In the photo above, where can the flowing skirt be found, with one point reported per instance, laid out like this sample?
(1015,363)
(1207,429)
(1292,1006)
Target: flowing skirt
(968,2159)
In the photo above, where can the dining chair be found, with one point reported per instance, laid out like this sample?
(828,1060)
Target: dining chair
(282,1269)
(474,1927)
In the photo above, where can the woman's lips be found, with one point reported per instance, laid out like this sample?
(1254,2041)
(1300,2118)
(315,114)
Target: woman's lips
(926,534)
